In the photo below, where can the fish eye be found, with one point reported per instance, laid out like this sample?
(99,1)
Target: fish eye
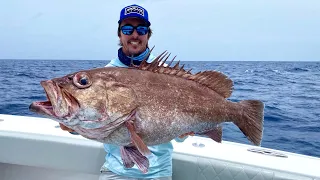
(82,80)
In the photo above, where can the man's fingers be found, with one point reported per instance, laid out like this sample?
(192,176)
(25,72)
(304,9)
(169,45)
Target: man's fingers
(187,134)
(65,128)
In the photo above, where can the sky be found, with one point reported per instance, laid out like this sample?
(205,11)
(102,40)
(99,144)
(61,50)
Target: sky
(194,30)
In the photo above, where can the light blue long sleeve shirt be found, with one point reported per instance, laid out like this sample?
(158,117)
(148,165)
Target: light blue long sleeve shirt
(160,161)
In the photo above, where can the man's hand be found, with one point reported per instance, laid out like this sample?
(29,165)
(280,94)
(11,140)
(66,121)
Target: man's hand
(65,128)
(186,134)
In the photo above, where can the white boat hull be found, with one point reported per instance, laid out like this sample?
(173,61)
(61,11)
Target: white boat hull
(34,148)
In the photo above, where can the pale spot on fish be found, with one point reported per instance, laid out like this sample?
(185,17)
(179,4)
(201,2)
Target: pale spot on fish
(90,125)
(89,114)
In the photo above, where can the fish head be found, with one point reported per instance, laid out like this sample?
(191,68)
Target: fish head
(75,99)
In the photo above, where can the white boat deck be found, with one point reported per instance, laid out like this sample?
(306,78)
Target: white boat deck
(36,146)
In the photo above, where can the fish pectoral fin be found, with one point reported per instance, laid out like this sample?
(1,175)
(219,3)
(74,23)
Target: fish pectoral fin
(215,134)
(131,156)
(136,140)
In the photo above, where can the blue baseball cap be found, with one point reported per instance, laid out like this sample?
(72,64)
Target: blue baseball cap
(134,11)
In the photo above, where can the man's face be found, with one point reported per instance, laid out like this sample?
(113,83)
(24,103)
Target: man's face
(133,44)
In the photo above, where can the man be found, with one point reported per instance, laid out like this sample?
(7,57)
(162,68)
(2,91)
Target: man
(134,32)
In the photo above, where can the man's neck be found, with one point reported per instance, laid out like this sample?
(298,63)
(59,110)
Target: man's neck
(125,59)
(127,53)
(139,56)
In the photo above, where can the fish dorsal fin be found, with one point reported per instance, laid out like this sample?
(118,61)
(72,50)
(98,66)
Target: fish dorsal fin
(214,80)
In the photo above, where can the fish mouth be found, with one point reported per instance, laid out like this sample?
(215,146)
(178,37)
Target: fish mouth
(60,103)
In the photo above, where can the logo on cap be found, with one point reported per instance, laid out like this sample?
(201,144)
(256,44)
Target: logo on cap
(134,9)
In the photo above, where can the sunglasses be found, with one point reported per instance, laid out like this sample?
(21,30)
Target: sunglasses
(128,29)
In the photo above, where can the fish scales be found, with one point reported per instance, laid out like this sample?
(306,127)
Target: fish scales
(147,105)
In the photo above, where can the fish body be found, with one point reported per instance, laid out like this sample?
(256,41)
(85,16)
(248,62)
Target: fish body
(147,105)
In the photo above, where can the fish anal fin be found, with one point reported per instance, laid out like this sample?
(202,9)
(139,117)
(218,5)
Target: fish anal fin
(136,140)
(215,134)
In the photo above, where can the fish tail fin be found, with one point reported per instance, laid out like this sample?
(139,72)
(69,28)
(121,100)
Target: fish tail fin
(250,120)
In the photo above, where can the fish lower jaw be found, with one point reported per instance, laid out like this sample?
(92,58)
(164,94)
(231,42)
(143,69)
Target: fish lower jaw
(46,108)
(42,107)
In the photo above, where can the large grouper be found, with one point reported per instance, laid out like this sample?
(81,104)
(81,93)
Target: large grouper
(146,105)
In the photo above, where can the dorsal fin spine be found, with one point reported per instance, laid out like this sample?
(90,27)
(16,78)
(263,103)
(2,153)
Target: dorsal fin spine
(171,61)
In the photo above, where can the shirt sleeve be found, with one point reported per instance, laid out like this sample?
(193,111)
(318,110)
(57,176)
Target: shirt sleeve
(109,65)
(180,140)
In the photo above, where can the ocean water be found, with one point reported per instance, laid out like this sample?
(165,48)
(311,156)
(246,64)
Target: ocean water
(290,91)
